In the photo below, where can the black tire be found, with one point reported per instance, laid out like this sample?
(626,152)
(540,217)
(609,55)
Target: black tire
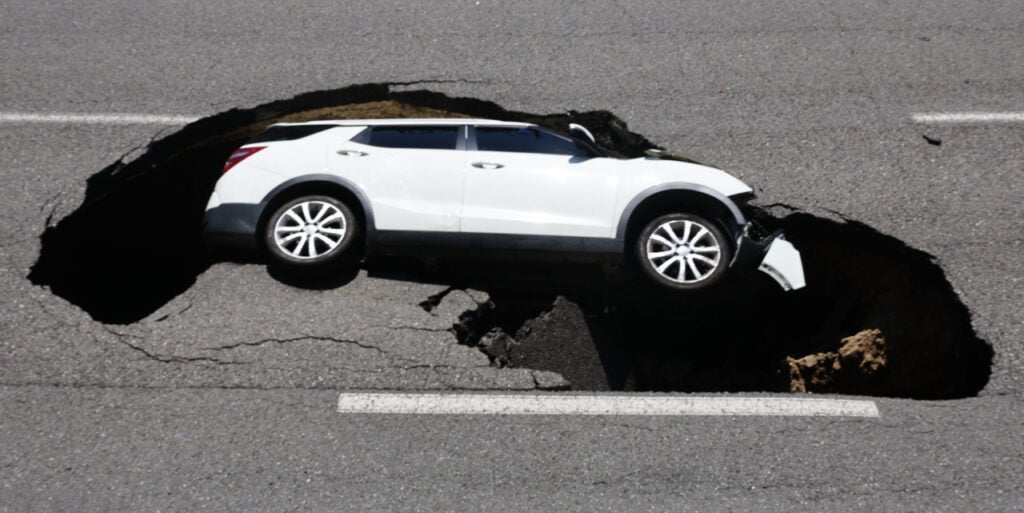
(290,228)
(679,258)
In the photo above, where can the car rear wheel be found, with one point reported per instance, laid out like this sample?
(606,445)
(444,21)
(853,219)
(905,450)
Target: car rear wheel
(311,232)
(683,251)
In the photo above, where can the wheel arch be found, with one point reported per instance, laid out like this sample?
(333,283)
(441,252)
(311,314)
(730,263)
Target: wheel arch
(662,199)
(328,185)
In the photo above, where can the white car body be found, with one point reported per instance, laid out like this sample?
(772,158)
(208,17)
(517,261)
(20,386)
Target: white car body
(412,195)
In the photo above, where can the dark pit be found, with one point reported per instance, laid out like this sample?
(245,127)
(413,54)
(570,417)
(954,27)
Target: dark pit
(878,316)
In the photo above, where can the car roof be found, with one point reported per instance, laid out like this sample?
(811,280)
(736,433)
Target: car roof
(408,122)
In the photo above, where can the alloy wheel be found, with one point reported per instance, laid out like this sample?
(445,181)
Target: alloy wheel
(683,251)
(310,229)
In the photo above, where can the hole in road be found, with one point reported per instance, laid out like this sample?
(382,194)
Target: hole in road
(878,318)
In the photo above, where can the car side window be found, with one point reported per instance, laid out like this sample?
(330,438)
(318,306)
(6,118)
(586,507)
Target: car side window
(415,137)
(523,140)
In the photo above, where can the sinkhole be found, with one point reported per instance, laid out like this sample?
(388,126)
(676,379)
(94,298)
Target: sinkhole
(878,317)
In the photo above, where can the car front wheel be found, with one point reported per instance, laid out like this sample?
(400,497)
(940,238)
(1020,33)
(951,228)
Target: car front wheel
(311,232)
(683,251)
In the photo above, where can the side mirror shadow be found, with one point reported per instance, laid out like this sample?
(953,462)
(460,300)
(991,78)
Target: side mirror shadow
(583,152)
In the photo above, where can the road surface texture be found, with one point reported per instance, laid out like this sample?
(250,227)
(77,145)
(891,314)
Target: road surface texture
(223,397)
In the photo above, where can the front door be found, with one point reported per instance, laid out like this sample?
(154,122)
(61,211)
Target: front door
(523,180)
(413,175)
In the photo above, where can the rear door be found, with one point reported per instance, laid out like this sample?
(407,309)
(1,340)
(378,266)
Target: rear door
(413,175)
(524,180)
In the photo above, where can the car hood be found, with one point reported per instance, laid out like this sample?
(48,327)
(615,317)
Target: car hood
(675,155)
(660,171)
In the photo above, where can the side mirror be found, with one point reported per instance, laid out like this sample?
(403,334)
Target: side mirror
(581,132)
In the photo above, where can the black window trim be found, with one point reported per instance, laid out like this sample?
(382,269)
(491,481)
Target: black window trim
(280,133)
(363,137)
(593,148)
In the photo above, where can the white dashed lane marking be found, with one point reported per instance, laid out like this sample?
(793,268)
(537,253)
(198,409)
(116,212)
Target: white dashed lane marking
(965,118)
(95,119)
(533,403)
(167,119)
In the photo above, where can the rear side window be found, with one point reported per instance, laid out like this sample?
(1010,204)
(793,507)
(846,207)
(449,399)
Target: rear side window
(522,140)
(288,133)
(416,137)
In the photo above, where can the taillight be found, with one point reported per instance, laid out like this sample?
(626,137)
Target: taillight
(239,155)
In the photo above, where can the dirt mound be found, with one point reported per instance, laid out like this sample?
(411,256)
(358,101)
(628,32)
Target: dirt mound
(857,367)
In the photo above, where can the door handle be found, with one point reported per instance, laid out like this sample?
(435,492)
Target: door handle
(488,165)
(351,153)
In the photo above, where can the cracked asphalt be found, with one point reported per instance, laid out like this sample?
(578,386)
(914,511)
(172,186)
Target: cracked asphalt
(223,399)
(360,335)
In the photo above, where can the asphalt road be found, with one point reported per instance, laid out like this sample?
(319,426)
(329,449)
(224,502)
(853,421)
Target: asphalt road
(223,400)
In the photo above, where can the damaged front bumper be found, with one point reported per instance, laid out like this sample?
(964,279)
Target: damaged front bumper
(772,255)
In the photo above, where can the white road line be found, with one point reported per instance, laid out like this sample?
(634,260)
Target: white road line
(95,119)
(969,117)
(533,403)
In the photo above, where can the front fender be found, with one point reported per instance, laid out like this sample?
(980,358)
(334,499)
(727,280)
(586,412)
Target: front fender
(627,212)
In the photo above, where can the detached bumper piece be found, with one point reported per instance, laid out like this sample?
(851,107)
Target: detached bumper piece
(774,256)
(783,264)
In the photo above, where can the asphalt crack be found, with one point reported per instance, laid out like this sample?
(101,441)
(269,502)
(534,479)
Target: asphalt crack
(318,338)
(174,314)
(123,338)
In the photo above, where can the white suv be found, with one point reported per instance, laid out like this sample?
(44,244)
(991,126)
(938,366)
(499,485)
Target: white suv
(315,194)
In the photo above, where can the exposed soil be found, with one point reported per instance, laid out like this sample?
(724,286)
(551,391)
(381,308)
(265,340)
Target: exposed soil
(860,364)
(878,316)
(383,109)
